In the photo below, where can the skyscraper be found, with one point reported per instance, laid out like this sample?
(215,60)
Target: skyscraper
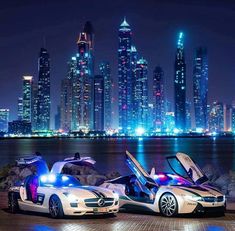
(99,103)
(134,59)
(158,99)
(141,94)
(35,107)
(216,118)
(27,97)
(227,117)
(180,85)
(200,87)
(188,123)
(68,103)
(20,108)
(104,68)
(4,119)
(44,100)
(124,77)
(83,83)
(233,116)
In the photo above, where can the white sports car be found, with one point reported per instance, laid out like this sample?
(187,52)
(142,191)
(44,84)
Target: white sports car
(169,194)
(60,194)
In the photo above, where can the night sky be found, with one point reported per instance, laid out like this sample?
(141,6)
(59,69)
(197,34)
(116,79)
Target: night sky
(155,24)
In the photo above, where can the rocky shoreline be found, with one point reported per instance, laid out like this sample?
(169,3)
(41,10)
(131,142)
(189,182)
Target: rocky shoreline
(88,175)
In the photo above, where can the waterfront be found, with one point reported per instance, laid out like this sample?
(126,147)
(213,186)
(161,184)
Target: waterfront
(109,153)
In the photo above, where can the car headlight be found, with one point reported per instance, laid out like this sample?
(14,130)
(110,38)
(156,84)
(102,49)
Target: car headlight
(193,198)
(116,196)
(71,197)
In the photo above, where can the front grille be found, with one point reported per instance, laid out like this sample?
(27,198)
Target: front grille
(220,198)
(213,199)
(209,199)
(93,202)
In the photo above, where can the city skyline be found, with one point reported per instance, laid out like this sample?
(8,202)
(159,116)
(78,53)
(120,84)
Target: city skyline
(189,57)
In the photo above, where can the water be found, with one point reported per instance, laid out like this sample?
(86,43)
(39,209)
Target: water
(109,153)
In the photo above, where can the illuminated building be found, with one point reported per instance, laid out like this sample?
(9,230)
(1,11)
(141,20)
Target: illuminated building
(83,98)
(233,120)
(158,99)
(44,100)
(4,119)
(180,85)
(216,117)
(188,124)
(57,119)
(104,68)
(67,105)
(200,87)
(98,103)
(20,108)
(134,59)
(27,97)
(35,107)
(20,127)
(228,117)
(170,121)
(141,94)
(124,77)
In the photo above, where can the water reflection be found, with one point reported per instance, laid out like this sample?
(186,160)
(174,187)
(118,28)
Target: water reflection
(109,153)
(43,228)
(140,155)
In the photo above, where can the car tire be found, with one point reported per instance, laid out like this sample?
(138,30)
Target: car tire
(13,205)
(168,205)
(55,207)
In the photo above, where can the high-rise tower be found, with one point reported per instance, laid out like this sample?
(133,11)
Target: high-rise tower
(27,97)
(124,77)
(180,85)
(104,68)
(200,87)
(66,98)
(44,100)
(158,99)
(83,94)
(99,103)
(141,95)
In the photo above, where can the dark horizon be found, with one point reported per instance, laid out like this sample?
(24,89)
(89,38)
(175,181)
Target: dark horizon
(27,26)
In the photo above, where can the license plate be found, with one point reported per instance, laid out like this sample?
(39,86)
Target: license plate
(100,210)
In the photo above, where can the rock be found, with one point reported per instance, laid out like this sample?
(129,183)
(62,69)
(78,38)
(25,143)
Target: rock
(95,179)
(211,172)
(222,183)
(24,173)
(73,169)
(14,171)
(231,190)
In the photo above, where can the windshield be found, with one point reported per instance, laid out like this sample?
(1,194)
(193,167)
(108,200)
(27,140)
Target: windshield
(170,179)
(58,180)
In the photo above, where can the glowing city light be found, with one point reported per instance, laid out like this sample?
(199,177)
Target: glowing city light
(139,131)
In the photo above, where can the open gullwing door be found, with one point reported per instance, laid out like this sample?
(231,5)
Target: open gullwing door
(139,171)
(193,171)
(82,161)
(34,160)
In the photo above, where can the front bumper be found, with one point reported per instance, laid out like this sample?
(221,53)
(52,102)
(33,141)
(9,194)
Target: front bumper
(79,209)
(215,209)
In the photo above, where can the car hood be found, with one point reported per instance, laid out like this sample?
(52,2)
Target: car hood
(84,192)
(203,191)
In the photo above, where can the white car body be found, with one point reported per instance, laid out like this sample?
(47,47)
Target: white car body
(74,198)
(156,191)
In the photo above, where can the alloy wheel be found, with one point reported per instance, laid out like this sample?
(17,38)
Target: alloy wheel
(168,205)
